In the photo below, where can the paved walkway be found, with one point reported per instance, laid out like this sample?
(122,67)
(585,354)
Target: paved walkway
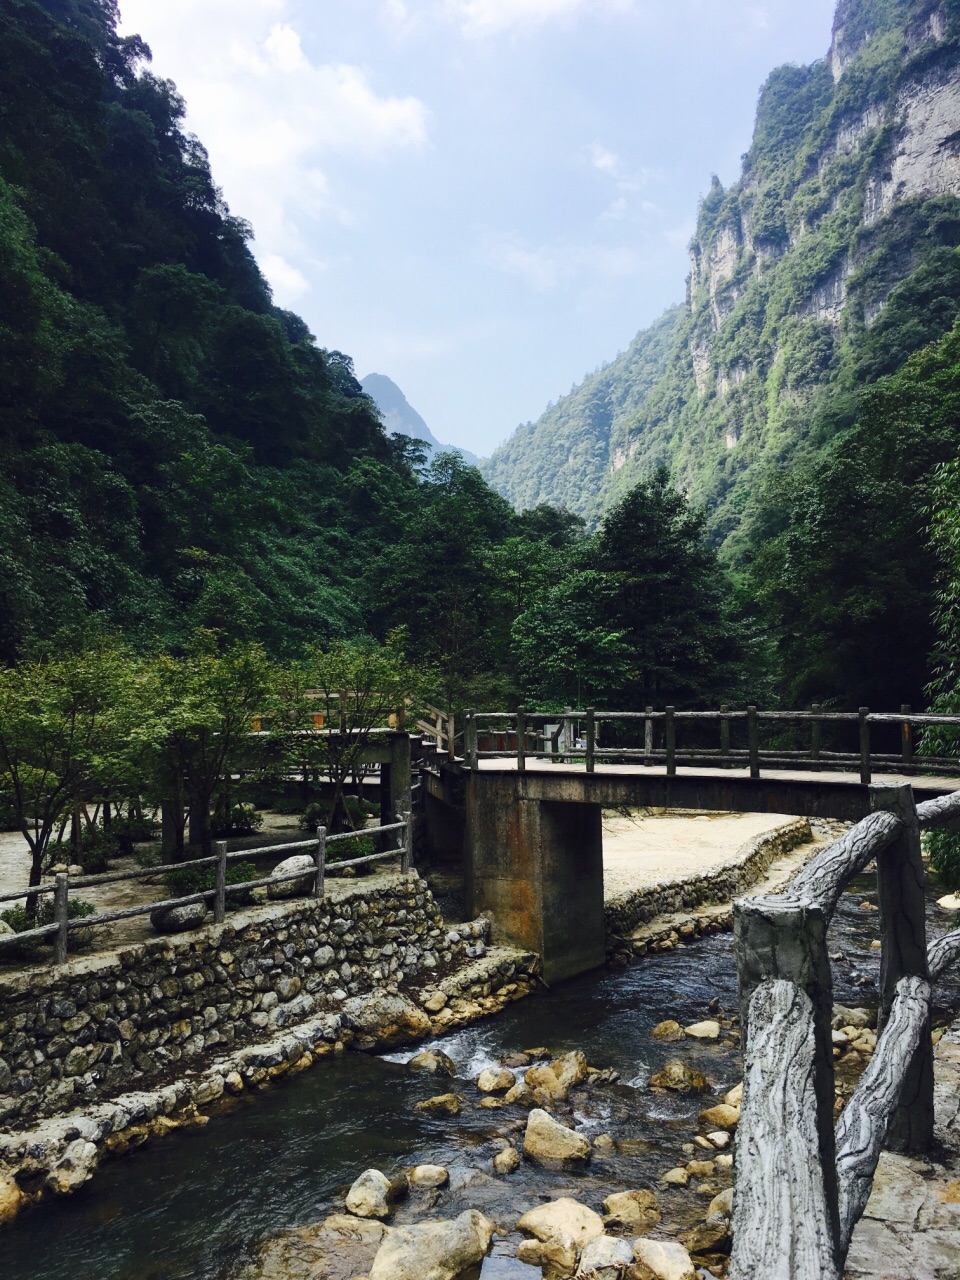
(911,1227)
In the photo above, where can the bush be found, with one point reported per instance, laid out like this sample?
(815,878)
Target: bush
(97,847)
(244,821)
(20,922)
(944,850)
(313,816)
(128,830)
(200,879)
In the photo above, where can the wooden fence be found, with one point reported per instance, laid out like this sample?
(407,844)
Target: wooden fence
(63,885)
(738,737)
(802,1183)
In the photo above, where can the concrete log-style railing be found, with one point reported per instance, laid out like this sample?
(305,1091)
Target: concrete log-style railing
(62,926)
(801,1185)
(578,737)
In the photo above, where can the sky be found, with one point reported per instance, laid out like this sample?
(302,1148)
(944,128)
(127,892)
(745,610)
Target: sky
(482,199)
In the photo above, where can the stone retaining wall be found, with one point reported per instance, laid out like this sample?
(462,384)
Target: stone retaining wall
(720,883)
(141,1016)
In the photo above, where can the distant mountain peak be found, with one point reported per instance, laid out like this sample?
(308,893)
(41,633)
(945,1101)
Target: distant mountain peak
(400,417)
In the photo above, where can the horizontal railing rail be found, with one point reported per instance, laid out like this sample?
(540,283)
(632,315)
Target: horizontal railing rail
(63,925)
(801,1183)
(584,736)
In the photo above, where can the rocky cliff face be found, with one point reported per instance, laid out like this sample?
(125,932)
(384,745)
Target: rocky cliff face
(852,180)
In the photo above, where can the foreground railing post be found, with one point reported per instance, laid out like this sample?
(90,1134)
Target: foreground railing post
(591,731)
(320,858)
(903,954)
(864,746)
(648,738)
(470,740)
(61,914)
(816,733)
(670,730)
(567,735)
(406,861)
(451,736)
(220,884)
(906,736)
(753,742)
(786,1220)
(521,739)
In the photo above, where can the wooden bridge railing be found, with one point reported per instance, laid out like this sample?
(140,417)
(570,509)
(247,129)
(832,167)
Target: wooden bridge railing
(578,736)
(801,1184)
(59,930)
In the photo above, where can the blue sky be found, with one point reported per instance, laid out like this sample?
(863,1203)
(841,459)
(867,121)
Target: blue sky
(482,199)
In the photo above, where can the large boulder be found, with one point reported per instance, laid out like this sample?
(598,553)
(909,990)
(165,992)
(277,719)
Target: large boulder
(179,919)
(563,1219)
(10,1198)
(549,1143)
(338,1248)
(676,1075)
(498,1080)
(369,1197)
(74,1168)
(543,1083)
(383,1020)
(293,888)
(434,1250)
(444,1104)
(708,1030)
(429,1176)
(570,1069)
(605,1258)
(722,1116)
(664,1259)
(434,1062)
(637,1210)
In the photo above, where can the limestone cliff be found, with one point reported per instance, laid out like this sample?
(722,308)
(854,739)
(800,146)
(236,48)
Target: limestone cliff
(850,185)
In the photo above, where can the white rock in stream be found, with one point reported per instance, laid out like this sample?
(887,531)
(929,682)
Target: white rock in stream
(429,1176)
(605,1256)
(708,1030)
(666,1259)
(550,1143)
(563,1219)
(434,1250)
(369,1197)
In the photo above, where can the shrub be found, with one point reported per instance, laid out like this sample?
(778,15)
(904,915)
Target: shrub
(20,922)
(97,847)
(200,879)
(129,830)
(244,821)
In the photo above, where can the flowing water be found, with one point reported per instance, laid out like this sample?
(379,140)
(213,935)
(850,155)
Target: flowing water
(198,1203)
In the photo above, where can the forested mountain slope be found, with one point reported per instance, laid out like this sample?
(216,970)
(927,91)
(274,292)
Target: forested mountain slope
(400,418)
(829,262)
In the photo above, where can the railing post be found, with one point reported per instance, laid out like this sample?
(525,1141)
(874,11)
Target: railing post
(220,884)
(864,746)
(780,939)
(591,739)
(567,734)
(320,857)
(903,953)
(906,736)
(521,739)
(671,736)
(724,735)
(470,740)
(648,738)
(61,914)
(753,741)
(816,730)
(451,736)
(406,862)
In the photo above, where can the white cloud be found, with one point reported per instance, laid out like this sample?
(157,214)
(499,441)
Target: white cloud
(270,117)
(491,17)
(288,283)
(604,160)
(548,268)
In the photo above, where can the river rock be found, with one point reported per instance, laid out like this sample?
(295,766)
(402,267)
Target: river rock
(676,1177)
(549,1143)
(338,1248)
(845,1017)
(556,1258)
(719,1139)
(428,1176)
(10,1198)
(433,1061)
(6,929)
(563,1219)
(521,1094)
(676,1075)
(723,1203)
(544,1080)
(292,888)
(664,1259)
(570,1069)
(723,1116)
(724,1161)
(444,1104)
(708,1030)
(701,1168)
(604,1145)
(498,1081)
(506,1161)
(369,1197)
(604,1258)
(712,1236)
(434,1250)
(383,1019)
(74,1168)
(666,1031)
(637,1210)
(179,919)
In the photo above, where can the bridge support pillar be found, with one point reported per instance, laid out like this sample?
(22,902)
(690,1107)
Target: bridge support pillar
(537,867)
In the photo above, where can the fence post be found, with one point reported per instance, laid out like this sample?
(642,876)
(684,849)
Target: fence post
(470,739)
(753,741)
(220,886)
(591,739)
(864,746)
(61,914)
(671,736)
(816,730)
(320,857)
(906,736)
(784,939)
(406,862)
(648,738)
(724,735)
(567,734)
(451,736)
(521,739)
(903,953)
